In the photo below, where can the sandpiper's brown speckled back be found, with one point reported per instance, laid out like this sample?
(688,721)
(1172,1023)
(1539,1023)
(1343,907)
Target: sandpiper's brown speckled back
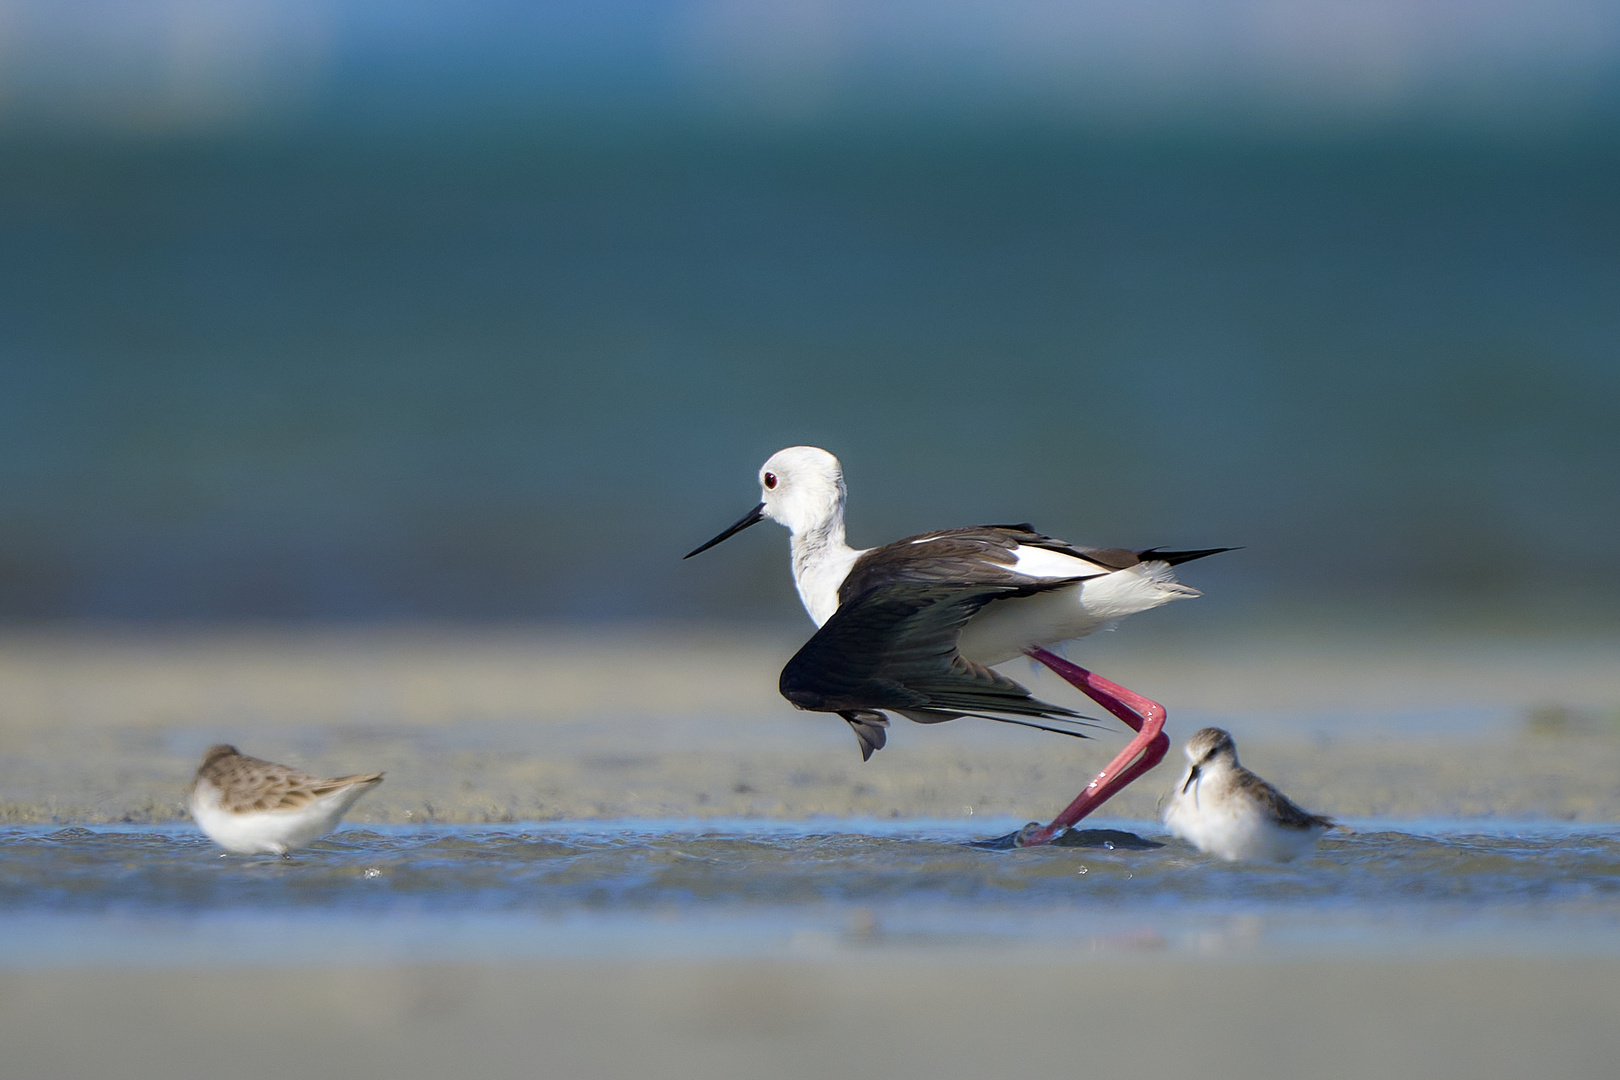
(247,784)
(1279,806)
(1215,743)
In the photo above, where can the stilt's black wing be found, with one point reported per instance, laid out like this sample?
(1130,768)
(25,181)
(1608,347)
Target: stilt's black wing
(986,555)
(894,647)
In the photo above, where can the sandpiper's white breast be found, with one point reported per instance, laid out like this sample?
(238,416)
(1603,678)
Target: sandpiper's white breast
(1227,811)
(1236,830)
(269,832)
(251,806)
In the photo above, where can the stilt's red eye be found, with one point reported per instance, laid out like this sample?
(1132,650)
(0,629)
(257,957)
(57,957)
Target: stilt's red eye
(770,480)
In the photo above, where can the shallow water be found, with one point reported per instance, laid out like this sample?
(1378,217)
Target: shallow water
(683,888)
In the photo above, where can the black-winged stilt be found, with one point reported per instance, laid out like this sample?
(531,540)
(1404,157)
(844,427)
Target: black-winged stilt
(913,627)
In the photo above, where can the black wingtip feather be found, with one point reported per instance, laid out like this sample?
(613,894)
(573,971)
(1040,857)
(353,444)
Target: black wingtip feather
(1176,558)
(1031,724)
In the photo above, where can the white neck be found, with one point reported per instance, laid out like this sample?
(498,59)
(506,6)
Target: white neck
(821,562)
(1217,771)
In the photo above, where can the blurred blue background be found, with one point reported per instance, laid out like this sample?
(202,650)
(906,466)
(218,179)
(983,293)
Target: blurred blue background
(370,311)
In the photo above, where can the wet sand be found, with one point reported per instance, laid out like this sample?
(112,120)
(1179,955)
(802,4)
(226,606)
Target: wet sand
(491,726)
(565,774)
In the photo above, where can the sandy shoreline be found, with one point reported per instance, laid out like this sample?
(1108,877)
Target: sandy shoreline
(1571,779)
(489,726)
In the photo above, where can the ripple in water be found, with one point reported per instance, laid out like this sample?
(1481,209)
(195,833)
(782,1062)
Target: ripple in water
(749,887)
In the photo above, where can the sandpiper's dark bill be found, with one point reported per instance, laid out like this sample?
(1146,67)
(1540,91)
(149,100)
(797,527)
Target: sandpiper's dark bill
(914,627)
(753,517)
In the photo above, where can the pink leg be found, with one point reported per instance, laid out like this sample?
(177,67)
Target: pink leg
(1145,717)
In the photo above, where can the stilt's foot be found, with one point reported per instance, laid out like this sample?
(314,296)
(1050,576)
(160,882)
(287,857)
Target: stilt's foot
(1008,842)
(1033,835)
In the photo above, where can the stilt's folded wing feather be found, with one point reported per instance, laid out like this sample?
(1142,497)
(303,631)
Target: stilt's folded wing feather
(894,647)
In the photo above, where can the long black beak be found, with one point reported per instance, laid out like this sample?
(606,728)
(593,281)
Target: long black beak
(1192,774)
(753,517)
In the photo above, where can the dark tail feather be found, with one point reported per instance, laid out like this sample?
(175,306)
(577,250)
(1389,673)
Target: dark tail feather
(868,727)
(1176,558)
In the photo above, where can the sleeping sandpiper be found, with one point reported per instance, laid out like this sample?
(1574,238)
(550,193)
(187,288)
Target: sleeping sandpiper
(253,807)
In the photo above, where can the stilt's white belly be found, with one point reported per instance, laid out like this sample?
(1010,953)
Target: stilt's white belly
(1005,628)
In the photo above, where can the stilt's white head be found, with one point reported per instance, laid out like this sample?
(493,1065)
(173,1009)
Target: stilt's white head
(803,488)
